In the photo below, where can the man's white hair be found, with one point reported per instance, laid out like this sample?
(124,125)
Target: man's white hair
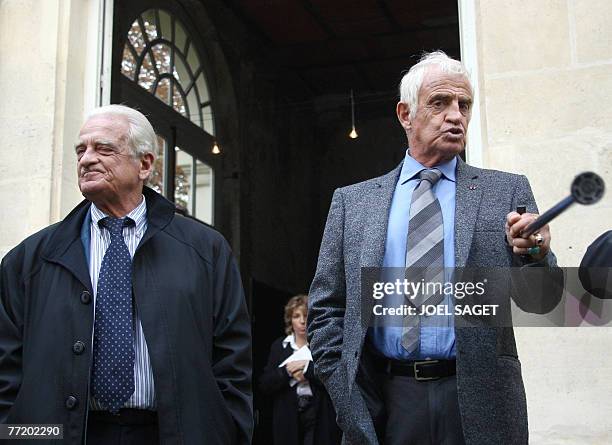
(141,135)
(413,79)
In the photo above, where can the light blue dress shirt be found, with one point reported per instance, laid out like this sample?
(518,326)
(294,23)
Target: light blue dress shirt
(437,332)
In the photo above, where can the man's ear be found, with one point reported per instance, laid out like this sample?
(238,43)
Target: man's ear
(146,166)
(403,115)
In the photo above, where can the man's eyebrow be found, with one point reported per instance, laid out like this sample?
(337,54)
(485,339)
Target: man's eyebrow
(96,142)
(444,96)
(105,142)
(438,96)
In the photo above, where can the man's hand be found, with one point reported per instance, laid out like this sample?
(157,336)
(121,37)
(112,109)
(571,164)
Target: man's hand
(296,369)
(515,224)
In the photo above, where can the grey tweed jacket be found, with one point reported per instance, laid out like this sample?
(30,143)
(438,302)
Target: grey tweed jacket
(490,387)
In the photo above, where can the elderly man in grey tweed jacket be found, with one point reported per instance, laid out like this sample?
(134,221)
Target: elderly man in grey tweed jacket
(446,385)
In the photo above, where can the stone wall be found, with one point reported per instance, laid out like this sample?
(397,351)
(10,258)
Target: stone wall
(44,64)
(545,83)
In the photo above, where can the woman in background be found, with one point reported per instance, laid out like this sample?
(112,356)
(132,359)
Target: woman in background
(302,411)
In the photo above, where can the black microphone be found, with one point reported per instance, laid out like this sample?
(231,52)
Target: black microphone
(587,188)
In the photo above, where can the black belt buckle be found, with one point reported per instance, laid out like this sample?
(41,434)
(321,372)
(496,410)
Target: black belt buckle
(416,365)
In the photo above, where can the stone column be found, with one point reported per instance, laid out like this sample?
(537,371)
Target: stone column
(49,60)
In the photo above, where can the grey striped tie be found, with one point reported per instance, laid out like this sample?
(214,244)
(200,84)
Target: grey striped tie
(424,251)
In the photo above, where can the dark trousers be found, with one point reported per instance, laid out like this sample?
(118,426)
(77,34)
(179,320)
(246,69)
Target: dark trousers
(421,412)
(307,418)
(130,427)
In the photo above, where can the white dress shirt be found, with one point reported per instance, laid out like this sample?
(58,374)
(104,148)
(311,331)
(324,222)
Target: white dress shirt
(303,388)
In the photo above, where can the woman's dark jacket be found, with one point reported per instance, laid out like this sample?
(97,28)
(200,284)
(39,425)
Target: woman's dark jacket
(274,382)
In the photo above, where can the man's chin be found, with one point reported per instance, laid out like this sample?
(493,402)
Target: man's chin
(452,150)
(90,189)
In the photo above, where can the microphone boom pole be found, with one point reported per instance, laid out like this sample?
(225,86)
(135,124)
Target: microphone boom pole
(587,188)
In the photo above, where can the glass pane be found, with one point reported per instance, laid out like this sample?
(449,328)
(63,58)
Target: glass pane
(202,88)
(194,108)
(204,193)
(207,115)
(178,102)
(180,36)
(165,25)
(163,91)
(182,180)
(156,180)
(148,18)
(161,53)
(146,76)
(128,63)
(135,37)
(192,59)
(180,71)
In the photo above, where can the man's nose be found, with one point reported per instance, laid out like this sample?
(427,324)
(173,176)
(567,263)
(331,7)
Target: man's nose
(88,157)
(454,112)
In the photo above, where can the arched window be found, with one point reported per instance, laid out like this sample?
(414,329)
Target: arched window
(160,56)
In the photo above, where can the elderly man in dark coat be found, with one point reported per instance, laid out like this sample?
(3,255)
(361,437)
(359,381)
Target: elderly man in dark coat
(125,322)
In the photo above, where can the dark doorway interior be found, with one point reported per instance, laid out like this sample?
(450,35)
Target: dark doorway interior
(268,325)
(294,64)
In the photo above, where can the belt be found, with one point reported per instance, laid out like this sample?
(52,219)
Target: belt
(421,370)
(126,416)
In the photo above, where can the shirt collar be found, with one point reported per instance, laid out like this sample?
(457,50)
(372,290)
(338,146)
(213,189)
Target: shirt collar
(412,167)
(138,215)
(290,340)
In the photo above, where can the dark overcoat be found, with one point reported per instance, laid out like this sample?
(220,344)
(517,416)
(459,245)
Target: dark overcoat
(189,296)
(274,382)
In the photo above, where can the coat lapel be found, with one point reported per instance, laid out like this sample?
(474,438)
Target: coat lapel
(160,212)
(65,247)
(468,195)
(377,205)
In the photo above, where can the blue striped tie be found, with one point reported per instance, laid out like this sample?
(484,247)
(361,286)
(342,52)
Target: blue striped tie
(424,251)
(113,364)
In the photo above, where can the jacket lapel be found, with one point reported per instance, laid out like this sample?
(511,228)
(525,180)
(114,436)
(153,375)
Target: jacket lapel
(468,195)
(65,247)
(160,212)
(377,205)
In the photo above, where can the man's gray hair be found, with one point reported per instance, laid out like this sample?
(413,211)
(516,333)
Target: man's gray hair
(141,135)
(413,79)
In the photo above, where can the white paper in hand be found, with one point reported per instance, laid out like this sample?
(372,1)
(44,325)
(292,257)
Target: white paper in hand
(301,354)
